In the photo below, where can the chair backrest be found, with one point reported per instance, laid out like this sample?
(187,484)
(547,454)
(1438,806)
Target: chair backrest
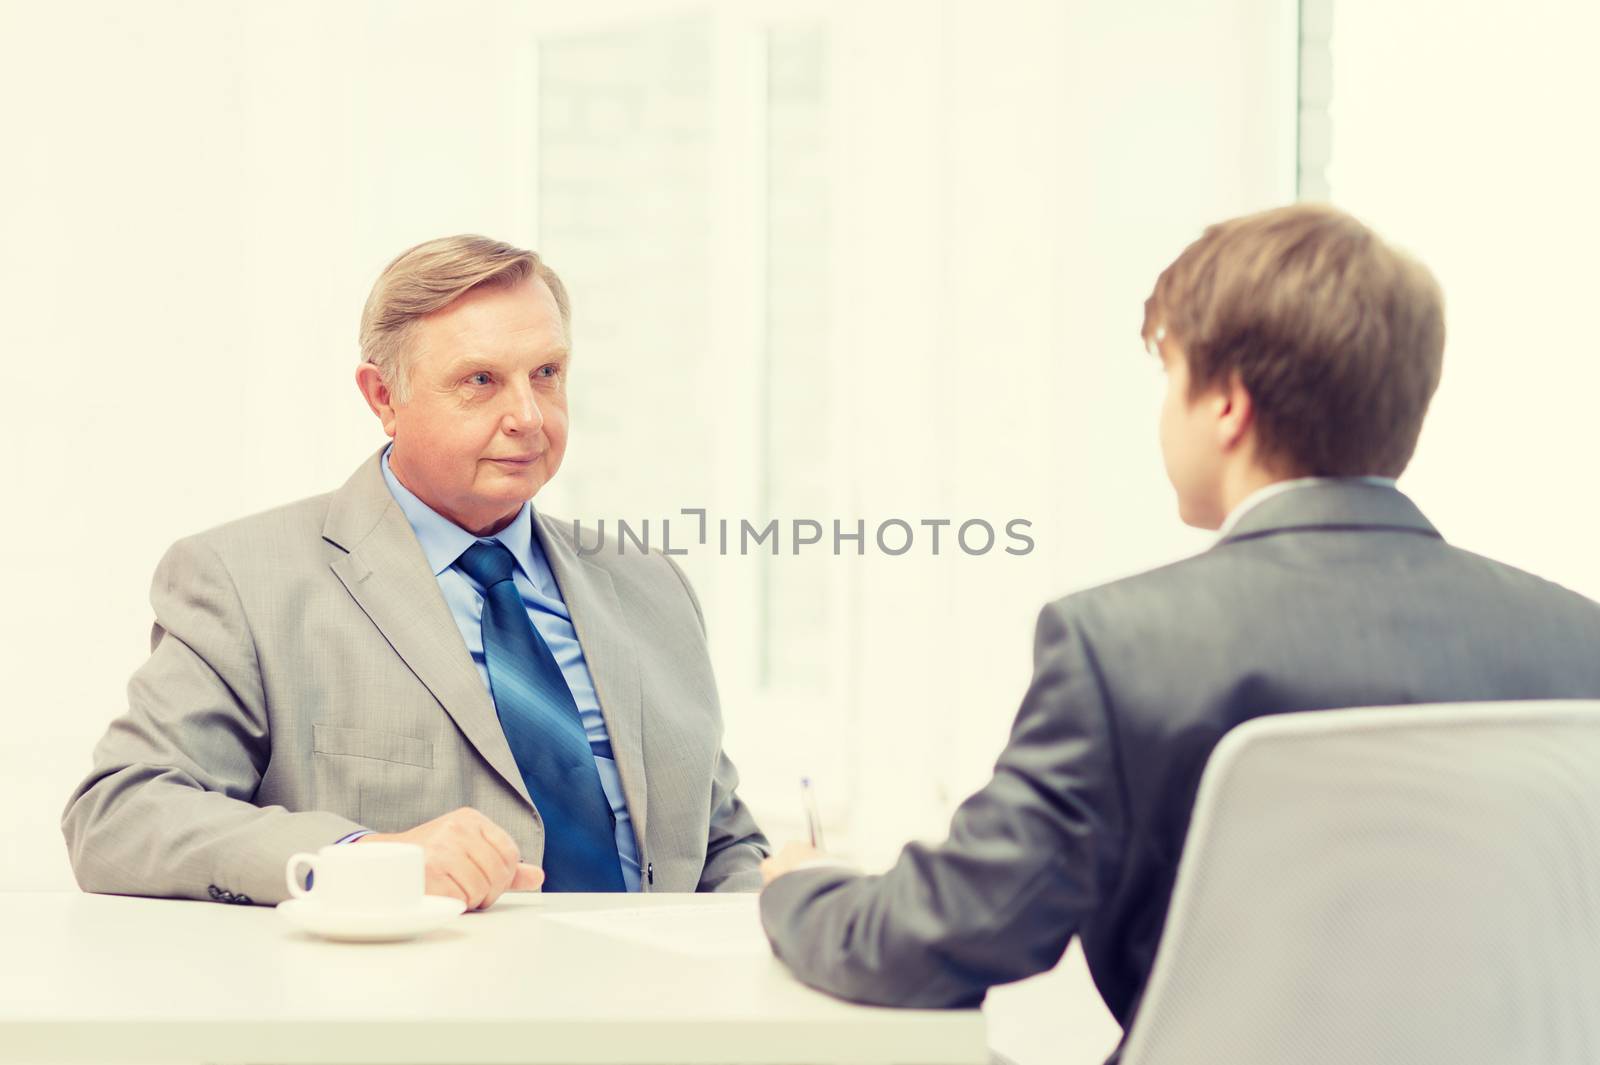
(1388,885)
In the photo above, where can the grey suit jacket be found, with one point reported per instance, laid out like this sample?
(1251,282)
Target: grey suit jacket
(307,679)
(1326,596)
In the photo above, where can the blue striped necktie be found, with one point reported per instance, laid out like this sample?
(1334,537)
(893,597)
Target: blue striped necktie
(545,732)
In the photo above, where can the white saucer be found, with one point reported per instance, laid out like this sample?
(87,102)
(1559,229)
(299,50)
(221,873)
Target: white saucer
(370,926)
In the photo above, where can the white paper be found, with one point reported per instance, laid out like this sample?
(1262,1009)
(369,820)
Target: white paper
(702,931)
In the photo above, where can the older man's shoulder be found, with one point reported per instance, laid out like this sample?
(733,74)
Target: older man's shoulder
(583,540)
(631,557)
(288,528)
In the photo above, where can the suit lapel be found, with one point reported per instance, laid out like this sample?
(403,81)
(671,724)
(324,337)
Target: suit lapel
(387,574)
(603,633)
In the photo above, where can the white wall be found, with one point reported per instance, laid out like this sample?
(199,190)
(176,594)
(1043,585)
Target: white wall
(195,201)
(1023,176)
(1466,135)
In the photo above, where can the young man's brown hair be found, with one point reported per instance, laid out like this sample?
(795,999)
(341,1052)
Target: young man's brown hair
(1337,337)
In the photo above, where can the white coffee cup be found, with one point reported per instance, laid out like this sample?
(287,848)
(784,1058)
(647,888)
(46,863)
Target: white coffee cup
(363,876)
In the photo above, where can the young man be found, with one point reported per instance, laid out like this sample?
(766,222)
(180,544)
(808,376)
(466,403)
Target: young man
(1301,353)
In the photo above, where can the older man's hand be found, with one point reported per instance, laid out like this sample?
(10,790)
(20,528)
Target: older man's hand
(791,857)
(468,857)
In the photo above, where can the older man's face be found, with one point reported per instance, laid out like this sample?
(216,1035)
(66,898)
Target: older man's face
(485,424)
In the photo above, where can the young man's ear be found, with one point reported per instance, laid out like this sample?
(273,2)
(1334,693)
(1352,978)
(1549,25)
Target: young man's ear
(1235,412)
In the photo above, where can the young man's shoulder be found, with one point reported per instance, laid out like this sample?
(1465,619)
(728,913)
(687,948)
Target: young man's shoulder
(1520,582)
(1254,583)
(1155,597)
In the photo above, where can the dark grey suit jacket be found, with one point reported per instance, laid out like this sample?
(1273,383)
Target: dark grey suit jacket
(1331,595)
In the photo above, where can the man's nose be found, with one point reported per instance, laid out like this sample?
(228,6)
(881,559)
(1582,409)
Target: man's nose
(523,414)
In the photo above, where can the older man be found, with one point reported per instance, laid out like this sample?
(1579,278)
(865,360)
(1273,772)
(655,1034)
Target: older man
(1301,353)
(420,655)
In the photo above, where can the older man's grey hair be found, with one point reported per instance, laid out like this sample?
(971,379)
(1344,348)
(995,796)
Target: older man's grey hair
(430,277)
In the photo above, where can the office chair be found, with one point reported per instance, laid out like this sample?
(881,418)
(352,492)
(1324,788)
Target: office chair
(1390,885)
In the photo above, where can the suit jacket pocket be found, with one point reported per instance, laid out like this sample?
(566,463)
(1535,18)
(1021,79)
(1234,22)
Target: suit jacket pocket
(366,743)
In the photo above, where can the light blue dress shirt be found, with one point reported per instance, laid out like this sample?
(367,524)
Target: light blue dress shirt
(442,542)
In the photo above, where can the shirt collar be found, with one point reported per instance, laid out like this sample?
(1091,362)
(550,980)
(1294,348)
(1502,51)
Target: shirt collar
(443,541)
(1277,488)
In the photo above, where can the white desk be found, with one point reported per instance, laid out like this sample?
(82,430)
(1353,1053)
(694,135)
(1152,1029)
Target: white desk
(89,978)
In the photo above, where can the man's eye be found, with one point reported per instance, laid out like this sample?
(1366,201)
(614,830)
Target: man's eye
(480,379)
(548,371)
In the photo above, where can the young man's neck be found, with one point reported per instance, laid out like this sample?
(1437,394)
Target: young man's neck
(1243,482)
(1243,479)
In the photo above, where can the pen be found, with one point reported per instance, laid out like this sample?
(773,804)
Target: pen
(808,800)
